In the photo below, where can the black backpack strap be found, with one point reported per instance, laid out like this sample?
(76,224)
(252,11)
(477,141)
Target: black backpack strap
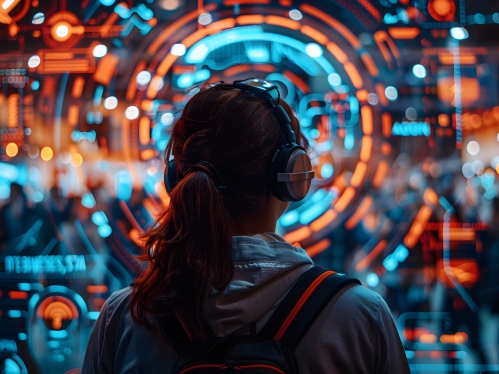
(303,304)
(174,333)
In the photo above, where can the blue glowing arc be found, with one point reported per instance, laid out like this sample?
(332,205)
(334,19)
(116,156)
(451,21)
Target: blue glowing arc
(200,50)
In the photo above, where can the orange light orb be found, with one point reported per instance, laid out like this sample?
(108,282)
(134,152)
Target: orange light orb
(61,31)
(46,153)
(76,160)
(441,7)
(442,10)
(11,149)
(443,120)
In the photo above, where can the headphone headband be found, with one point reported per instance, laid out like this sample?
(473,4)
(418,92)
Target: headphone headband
(270,93)
(290,170)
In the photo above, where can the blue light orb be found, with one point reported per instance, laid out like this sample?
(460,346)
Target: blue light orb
(327,170)
(372,280)
(104,230)
(88,200)
(391,93)
(459,33)
(99,218)
(419,71)
(334,79)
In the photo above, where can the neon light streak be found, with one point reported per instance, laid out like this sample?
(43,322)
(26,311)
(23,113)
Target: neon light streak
(447,268)
(7,3)
(58,113)
(457,94)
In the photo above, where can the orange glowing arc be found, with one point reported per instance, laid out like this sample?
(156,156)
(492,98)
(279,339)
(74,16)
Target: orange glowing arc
(57,311)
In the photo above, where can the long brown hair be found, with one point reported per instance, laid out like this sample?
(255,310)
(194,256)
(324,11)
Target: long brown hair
(238,134)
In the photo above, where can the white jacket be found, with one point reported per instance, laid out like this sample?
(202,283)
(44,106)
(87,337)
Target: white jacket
(355,332)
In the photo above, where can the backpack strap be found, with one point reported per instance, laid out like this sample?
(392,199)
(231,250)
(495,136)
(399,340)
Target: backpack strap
(175,334)
(303,304)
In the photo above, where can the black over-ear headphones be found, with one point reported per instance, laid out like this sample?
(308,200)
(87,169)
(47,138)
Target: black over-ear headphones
(291,169)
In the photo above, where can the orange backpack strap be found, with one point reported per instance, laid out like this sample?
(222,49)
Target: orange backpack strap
(302,305)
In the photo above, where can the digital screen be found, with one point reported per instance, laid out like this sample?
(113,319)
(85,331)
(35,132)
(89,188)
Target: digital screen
(398,99)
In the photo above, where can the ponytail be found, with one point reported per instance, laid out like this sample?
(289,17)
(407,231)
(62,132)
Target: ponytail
(197,247)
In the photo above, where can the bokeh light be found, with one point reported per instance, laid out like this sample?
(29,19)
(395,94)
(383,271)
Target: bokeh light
(419,71)
(178,49)
(38,18)
(459,33)
(391,93)
(11,149)
(62,31)
(33,151)
(65,157)
(110,102)
(313,50)
(295,14)
(100,50)
(143,77)
(132,112)
(205,19)
(46,154)
(473,148)
(76,160)
(34,61)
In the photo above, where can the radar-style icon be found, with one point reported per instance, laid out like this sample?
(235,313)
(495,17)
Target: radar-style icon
(57,329)
(10,362)
(57,312)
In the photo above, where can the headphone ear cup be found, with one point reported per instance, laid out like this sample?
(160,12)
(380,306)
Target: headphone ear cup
(170,176)
(290,158)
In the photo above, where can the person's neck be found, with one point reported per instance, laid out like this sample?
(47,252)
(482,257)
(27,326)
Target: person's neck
(255,225)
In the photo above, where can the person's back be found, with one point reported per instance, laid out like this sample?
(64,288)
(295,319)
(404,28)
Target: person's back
(205,264)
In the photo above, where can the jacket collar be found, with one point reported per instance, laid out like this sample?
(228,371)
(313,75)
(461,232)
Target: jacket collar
(263,272)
